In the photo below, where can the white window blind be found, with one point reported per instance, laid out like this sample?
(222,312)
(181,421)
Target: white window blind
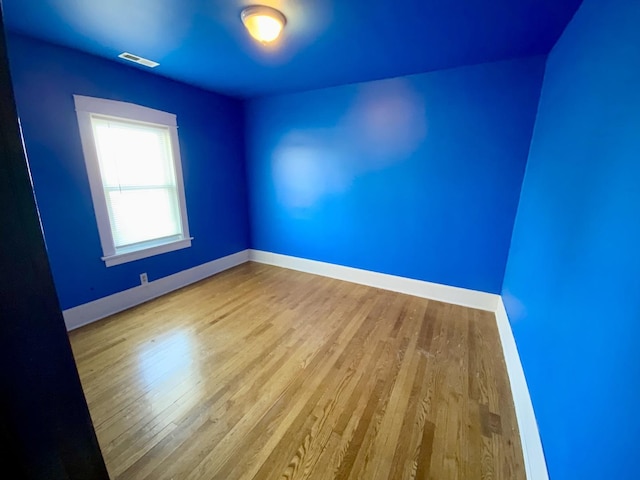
(139,181)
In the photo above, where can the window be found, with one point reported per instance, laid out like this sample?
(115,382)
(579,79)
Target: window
(133,162)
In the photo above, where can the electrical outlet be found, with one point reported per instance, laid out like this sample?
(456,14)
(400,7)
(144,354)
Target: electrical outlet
(143,279)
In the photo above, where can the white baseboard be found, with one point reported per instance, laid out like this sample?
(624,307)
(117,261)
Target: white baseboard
(103,307)
(534,461)
(418,288)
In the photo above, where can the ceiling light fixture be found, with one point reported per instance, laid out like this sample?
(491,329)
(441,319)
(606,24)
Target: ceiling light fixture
(264,23)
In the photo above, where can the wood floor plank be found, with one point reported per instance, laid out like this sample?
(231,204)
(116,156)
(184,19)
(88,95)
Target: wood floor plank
(260,425)
(265,373)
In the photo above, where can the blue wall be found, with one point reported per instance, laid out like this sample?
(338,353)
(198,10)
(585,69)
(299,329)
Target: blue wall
(572,285)
(416,176)
(211,129)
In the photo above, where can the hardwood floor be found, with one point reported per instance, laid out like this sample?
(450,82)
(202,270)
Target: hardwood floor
(262,372)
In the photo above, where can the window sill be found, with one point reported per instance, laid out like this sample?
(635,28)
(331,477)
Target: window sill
(120,258)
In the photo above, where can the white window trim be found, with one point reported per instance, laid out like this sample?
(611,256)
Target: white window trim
(85,106)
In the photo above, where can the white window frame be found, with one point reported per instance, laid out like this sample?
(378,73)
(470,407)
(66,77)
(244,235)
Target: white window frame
(85,107)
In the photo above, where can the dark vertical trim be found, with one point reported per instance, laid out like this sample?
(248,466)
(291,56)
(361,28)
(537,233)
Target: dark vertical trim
(43,411)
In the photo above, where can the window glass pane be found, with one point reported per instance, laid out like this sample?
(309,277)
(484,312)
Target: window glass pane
(139,215)
(133,154)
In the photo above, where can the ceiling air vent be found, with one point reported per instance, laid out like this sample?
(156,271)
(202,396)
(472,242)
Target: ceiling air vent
(136,59)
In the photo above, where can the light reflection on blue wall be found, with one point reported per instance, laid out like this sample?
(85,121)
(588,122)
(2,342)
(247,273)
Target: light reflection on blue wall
(386,125)
(388,122)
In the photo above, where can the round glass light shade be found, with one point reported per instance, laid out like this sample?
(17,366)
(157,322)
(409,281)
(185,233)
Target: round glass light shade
(263,23)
